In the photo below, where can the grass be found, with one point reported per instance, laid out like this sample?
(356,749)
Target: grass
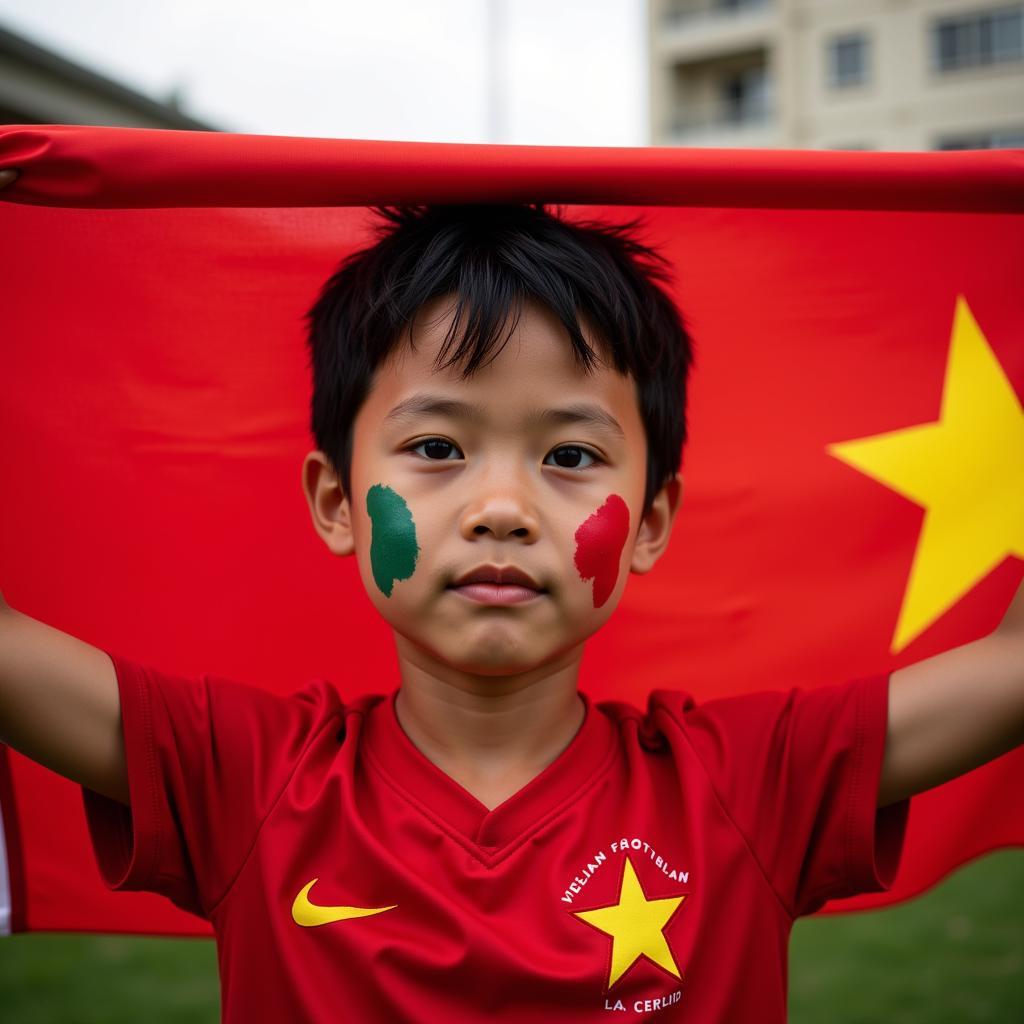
(954,955)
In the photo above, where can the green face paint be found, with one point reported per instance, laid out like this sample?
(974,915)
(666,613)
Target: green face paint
(393,548)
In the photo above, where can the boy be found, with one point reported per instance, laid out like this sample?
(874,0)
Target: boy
(499,412)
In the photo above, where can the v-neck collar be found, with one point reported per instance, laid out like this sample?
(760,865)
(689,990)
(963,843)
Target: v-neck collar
(438,796)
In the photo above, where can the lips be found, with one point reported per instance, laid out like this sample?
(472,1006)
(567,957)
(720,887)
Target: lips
(501,575)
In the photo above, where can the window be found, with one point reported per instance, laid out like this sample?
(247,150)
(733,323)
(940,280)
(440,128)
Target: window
(1000,138)
(744,96)
(847,60)
(736,5)
(979,39)
(682,10)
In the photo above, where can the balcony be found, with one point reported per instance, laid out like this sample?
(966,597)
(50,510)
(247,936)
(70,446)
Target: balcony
(687,10)
(725,129)
(725,102)
(703,29)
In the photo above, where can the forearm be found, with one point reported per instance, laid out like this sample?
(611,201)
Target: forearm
(955,711)
(59,703)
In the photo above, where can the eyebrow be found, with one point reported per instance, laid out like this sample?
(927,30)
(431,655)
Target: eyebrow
(578,412)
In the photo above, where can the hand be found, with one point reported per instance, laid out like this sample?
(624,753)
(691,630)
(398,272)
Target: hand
(1013,619)
(7,176)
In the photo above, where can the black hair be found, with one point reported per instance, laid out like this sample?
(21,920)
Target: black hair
(490,258)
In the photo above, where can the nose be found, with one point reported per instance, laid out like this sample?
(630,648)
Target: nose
(504,513)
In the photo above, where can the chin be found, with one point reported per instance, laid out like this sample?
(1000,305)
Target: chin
(487,655)
(493,660)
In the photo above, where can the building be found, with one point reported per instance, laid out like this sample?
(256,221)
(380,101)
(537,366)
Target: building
(37,86)
(837,74)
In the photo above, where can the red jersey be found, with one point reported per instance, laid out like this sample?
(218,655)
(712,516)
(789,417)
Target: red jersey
(651,872)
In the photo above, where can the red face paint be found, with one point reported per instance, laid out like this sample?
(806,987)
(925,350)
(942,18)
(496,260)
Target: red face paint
(599,543)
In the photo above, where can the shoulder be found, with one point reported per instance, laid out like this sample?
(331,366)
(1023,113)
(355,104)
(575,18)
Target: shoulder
(226,704)
(319,705)
(752,718)
(672,710)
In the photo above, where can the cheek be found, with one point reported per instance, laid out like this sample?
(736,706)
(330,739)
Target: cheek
(599,543)
(393,547)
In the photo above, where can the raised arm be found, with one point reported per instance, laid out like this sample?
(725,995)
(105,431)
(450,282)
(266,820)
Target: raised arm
(58,696)
(955,711)
(59,704)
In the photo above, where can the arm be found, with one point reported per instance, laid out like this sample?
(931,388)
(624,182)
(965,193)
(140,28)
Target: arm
(59,701)
(59,704)
(955,711)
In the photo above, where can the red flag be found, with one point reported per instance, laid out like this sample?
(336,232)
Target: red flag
(155,383)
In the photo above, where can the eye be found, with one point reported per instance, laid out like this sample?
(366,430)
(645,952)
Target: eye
(569,455)
(437,449)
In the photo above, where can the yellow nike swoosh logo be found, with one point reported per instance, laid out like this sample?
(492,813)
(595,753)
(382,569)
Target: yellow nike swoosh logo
(309,915)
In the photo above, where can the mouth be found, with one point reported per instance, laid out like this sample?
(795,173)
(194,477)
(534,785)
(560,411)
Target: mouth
(497,593)
(494,584)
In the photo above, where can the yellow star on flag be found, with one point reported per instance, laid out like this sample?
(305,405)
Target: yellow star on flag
(635,924)
(966,470)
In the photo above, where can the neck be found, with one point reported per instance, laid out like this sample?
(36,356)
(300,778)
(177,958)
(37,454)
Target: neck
(491,734)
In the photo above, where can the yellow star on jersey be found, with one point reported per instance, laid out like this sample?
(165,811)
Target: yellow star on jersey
(635,924)
(966,470)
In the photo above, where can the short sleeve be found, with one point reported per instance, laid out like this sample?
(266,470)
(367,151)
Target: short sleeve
(206,758)
(799,772)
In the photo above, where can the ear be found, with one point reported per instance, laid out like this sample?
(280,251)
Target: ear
(656,527)
(328,504)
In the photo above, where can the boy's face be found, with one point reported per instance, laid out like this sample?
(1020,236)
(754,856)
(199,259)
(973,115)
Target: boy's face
(438,493)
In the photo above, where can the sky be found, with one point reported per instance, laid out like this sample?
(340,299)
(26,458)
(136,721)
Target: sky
(573,71)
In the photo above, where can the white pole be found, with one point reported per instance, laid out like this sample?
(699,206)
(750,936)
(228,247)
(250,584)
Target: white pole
(496,25)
